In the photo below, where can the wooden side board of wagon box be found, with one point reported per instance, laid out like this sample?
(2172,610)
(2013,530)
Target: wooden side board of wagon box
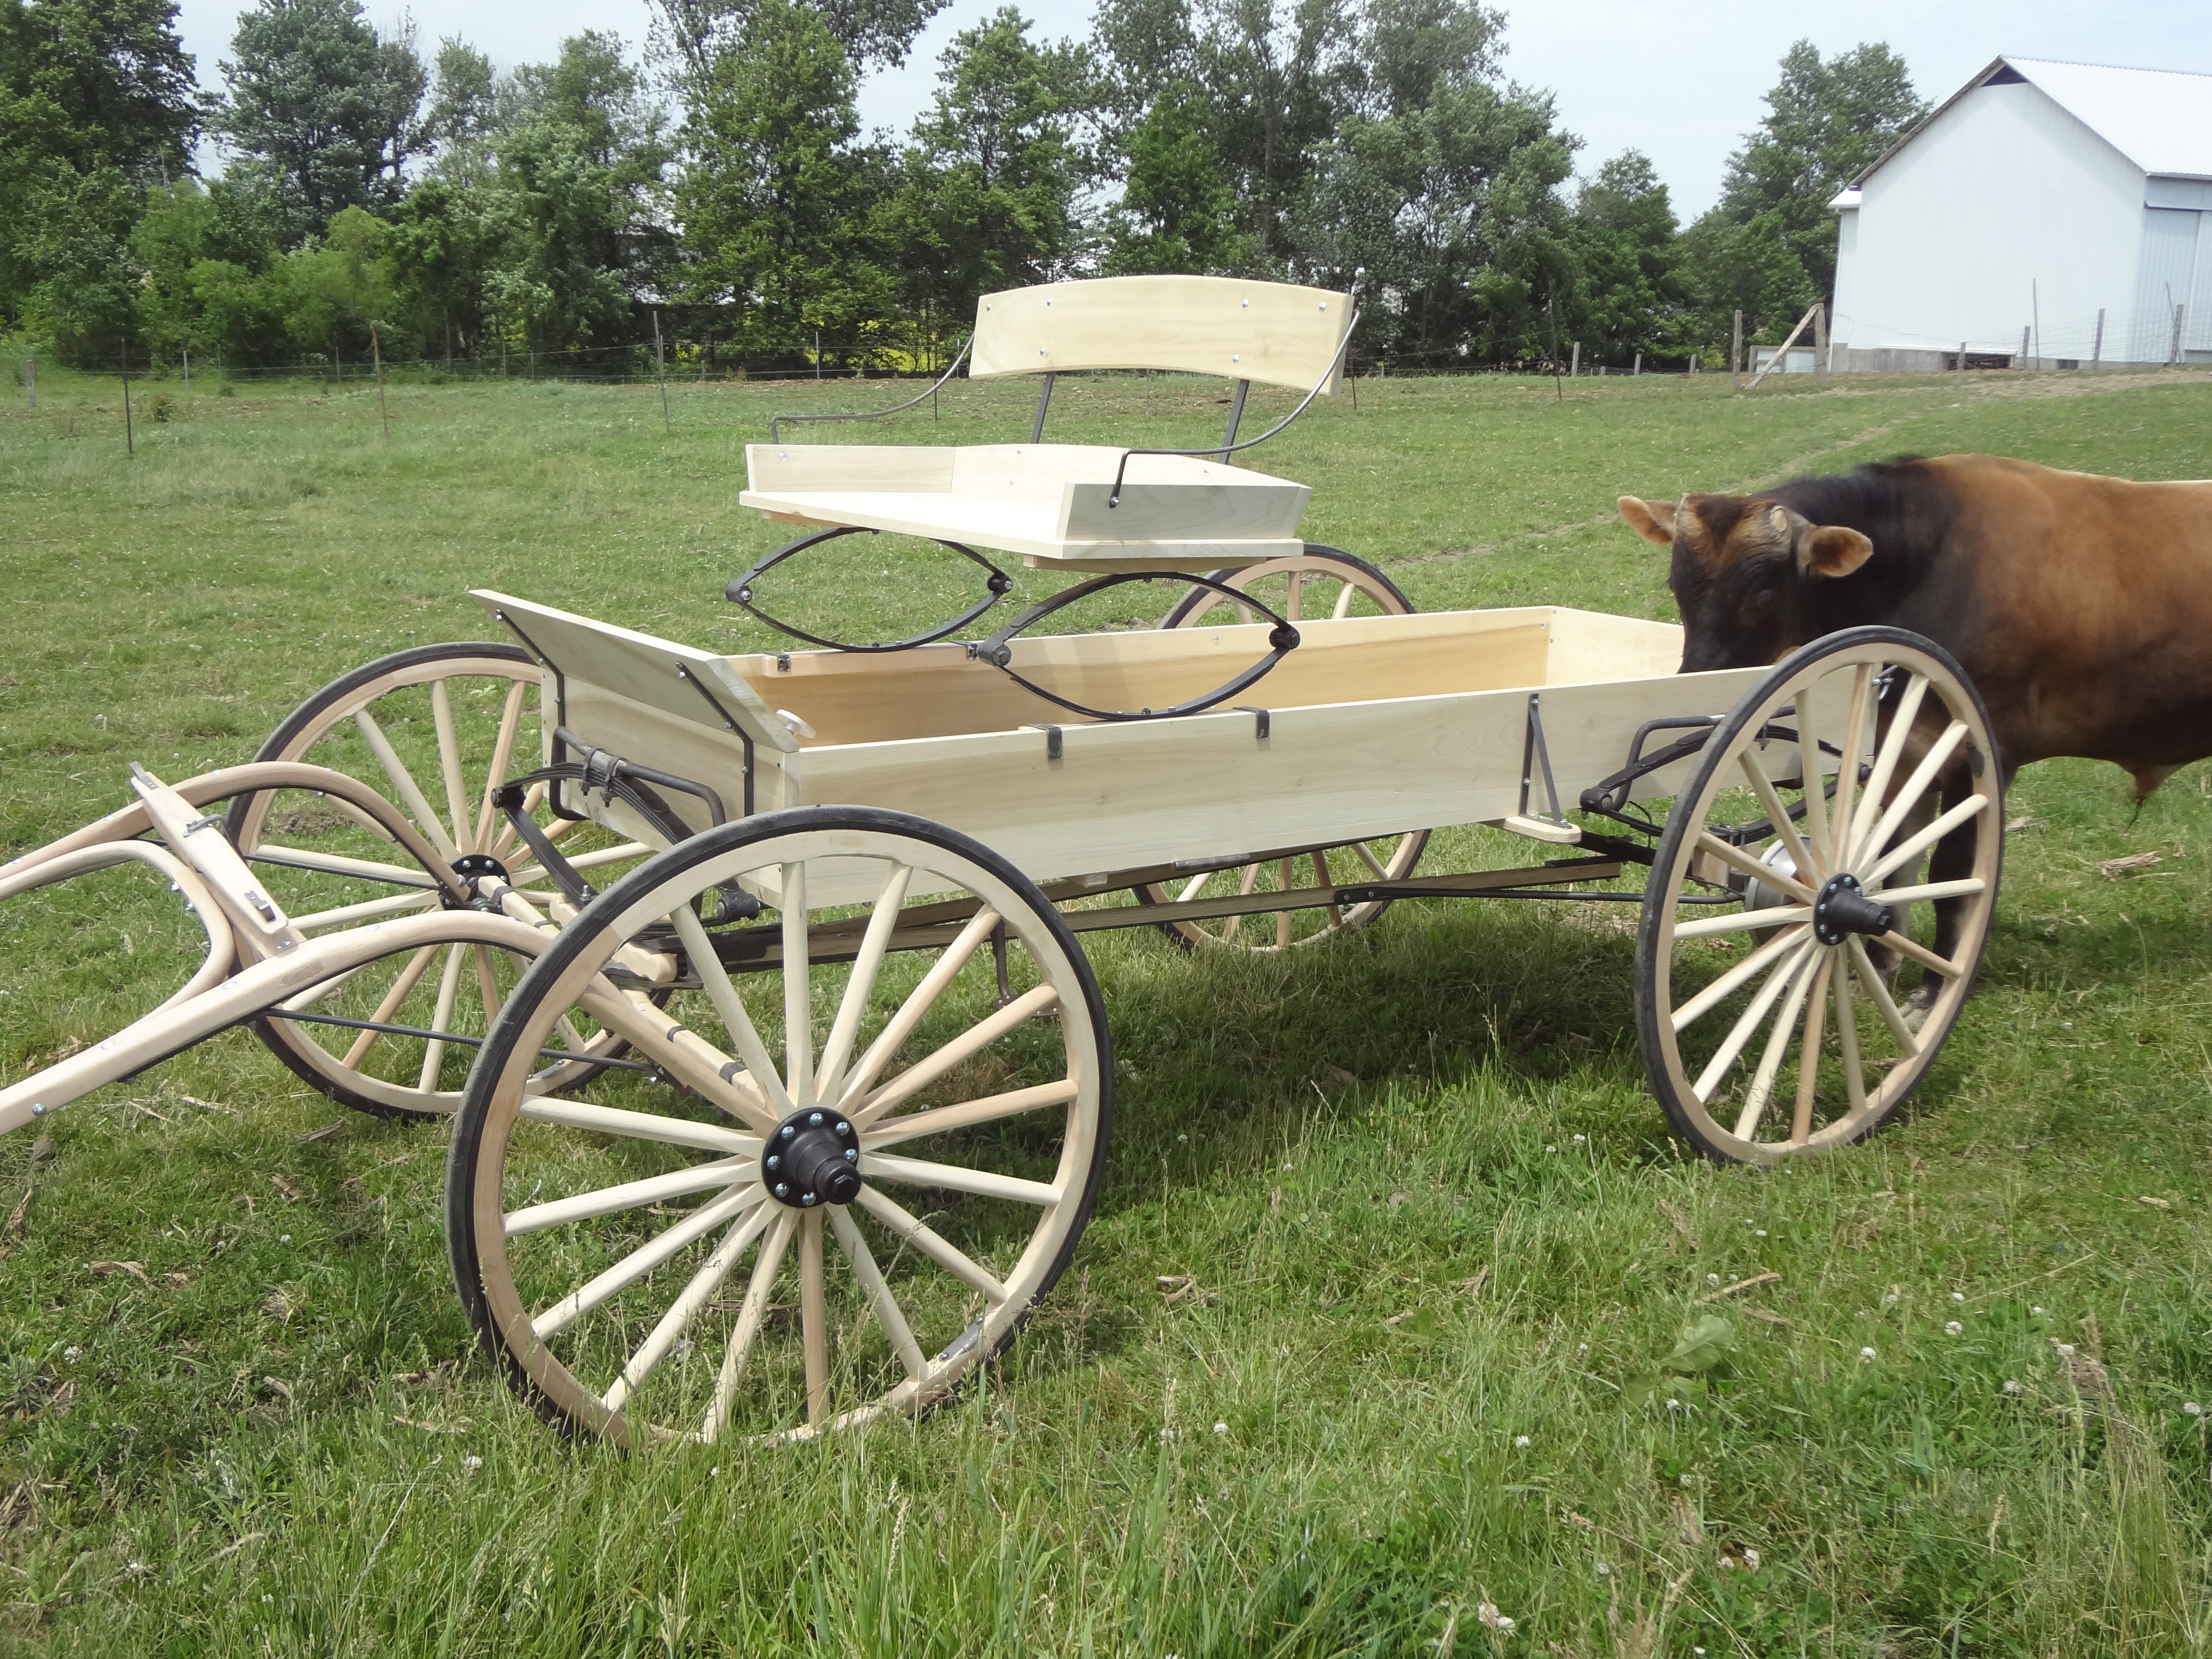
(1054,505)
(1385,724)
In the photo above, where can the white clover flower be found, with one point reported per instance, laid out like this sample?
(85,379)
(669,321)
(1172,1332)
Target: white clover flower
(2065,1349)
(471,1465)
(1686,1480)
(1957,1296)
(1221,1428)
(1582,1347)
(265,1598)
(1180,1139)
(1603,1570)
(2192,1408)
(1713,1278)
(1727,1562)
(1673,1404)
(1758,1232)
(1580,1140)
(1866,1356)
(1751,1559)
(2038,1312)
(135,1567)
(1551,1149)
(1952,1327)
(716,1470)
(2013,1385)
(71,1354)
(1520,1442)
(1488,1613)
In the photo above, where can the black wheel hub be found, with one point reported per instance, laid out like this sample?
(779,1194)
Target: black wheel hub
(1841,910)
(477,868)
(813,1158)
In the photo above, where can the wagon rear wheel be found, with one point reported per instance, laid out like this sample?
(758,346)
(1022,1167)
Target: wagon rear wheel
(1820,899)
(687,1250)
(433,730)
(1319,582)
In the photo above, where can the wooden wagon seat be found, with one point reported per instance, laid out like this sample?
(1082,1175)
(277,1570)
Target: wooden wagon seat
(1049,503)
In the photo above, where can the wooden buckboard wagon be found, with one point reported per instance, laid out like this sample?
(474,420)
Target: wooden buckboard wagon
(756,986)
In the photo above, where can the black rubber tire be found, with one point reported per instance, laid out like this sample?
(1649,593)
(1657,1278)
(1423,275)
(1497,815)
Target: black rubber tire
(465,1151)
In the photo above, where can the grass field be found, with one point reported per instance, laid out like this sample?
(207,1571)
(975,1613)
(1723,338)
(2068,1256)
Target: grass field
(1426,1243)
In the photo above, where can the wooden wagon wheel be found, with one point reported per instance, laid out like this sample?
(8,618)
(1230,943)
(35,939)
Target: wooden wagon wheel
(692,1252)
(1777,1025)
(1321,581)
(432,729)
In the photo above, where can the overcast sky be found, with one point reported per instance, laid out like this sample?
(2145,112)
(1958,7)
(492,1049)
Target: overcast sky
(1680,80)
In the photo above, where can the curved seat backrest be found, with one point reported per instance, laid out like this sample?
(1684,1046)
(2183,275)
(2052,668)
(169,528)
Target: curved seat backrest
(1276,333)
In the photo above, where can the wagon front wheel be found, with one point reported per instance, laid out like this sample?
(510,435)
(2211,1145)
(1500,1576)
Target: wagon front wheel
(433,730)
(830,1179)
(1820,899)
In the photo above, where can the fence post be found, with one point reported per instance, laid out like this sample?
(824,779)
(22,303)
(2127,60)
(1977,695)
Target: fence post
(1821,346)
(376,350)
(1735,355)
(130,440)
(1574,364)
(2097,345)
(2173,352)
(188,372)
(1962,356)
(660,372)
(31,378)
(2023,346)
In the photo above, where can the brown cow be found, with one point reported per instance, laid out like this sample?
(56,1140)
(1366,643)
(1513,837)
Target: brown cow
(2081,606)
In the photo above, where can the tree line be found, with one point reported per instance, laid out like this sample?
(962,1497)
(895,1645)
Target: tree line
(720,182)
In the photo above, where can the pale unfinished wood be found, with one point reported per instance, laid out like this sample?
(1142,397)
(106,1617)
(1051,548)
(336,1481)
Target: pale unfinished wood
(1276,333)
(1046,502)
(640,667)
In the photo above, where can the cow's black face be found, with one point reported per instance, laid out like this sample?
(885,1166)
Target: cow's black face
(1742,616)
(1743,573)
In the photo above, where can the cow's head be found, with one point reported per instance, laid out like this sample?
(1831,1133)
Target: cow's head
(1744,572)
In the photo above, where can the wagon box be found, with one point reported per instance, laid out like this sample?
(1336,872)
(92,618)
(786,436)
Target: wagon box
(1374,725)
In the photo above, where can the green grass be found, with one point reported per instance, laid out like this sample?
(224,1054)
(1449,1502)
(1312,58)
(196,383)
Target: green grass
(268,1445)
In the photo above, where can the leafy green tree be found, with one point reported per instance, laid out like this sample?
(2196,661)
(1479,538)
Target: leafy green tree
(987,200)
(1827,119)
(1626,295)
(332,290)
(325,104)
(1442,186)
(1177,212)
(693,36)
(95,102)
(776,200)
(464,105)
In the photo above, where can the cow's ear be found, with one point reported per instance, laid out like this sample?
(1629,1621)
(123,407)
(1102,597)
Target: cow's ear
(1833,549)
(1653,520)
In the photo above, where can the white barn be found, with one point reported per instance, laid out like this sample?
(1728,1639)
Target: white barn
(2038,197)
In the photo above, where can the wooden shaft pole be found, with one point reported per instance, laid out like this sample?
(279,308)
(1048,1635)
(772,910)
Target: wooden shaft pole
(1821,346)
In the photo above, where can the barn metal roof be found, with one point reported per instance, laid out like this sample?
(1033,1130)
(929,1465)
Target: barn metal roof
(2160,119)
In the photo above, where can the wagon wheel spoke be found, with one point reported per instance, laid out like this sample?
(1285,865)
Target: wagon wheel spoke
(1809,1052)
(1761,1091)
(502,756)
(1892,750)
(751,1312)
(881,1301)
(814,1319)
(681,1312)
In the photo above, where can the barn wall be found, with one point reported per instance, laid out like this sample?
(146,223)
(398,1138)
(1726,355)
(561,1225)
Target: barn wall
(2003,188)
